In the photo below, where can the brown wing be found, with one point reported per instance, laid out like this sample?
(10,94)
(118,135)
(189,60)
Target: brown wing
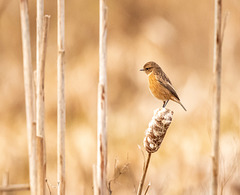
(163,76)
(165,82)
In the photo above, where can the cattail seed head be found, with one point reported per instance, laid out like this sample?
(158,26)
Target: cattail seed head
(157,129)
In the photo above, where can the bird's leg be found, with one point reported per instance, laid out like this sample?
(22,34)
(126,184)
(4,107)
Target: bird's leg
(165,103)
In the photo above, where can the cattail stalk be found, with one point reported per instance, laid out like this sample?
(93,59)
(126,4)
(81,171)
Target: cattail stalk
(141,183)
(41,144)
(155,134)
(102,102)
(61,110)
(216,95)
(29,94)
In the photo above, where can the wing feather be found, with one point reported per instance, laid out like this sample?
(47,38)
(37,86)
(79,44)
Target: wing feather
(165,82)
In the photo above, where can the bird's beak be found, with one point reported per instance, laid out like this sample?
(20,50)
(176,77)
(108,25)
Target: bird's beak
(142,69)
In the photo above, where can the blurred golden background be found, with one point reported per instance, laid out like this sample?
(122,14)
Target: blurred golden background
(178,35)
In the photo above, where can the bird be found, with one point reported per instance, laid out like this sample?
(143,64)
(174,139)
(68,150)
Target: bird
(159,84)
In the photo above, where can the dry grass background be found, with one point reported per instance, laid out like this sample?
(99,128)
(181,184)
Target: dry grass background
(177,35)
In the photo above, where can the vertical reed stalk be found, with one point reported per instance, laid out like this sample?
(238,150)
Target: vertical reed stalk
(29,94)
(40,166)
(41,144)
(61,99)
(5,181)
(216,94)
(40,15)
(102,102)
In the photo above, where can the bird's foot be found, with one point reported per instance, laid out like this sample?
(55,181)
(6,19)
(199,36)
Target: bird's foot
(165,103)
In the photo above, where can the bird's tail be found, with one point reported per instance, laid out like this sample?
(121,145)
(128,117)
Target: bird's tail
(182,106)
(178,101)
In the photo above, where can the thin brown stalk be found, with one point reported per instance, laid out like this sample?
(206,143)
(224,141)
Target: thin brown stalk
(48,187)
(224,25)
(216,95)
(145,168)
(29,94)
(145,193)
(61,99)
(15,187)
(102,102)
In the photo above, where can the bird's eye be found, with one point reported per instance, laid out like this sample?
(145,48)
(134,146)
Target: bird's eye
(147,68)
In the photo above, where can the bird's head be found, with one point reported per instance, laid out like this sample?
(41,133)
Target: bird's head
(150,67)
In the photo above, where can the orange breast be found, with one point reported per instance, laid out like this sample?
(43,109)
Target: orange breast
(157,89)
